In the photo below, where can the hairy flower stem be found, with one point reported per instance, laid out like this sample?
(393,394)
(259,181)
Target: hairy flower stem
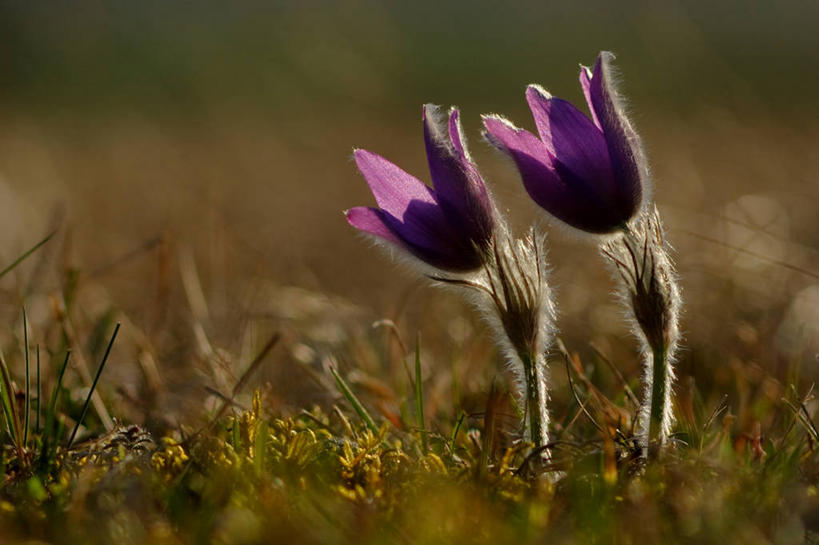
(536,401)
(517,302)
(649,289)
(660,405)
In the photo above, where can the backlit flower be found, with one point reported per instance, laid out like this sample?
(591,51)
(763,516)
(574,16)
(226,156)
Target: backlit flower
(449,226)
(587,172)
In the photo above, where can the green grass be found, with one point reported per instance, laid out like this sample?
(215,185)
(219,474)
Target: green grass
(314,478)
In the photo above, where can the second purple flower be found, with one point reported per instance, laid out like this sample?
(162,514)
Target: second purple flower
(588,173)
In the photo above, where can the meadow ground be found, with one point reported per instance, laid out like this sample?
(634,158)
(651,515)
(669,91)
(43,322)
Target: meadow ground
(206,220)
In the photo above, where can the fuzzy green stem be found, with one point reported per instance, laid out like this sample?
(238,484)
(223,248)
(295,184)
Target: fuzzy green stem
(657,410)
(534,401)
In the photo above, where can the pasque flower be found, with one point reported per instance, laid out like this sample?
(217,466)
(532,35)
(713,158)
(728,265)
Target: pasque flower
(455,227)
(587,172)
(590,172)
(449,226)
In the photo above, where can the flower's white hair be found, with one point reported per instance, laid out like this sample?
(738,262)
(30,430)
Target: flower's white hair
(650,292)
(439,128)
(513,296)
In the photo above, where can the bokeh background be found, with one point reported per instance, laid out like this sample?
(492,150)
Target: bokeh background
(195,158)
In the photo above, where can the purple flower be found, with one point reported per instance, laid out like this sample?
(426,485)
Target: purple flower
(449,226)
(586,172)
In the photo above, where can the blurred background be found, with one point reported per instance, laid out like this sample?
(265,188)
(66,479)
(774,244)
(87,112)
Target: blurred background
(196,159)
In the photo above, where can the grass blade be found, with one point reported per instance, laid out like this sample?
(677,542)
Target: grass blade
(26,254)
(803,418)
(81,365)
(52,404)
(39,390)
(9,406)
(93,386)
(457,429)
(255,364)
(49,432)
(419,395)
(359,408)
(27,404)
(230,401)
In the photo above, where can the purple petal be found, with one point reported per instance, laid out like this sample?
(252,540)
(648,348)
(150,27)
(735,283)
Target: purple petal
(370,220)
(562,194)
(459,188)
(444,154)
(427,233)
(585,84)
(505,136)
(623,143)
(423,225)
(417,235)
(455,132)
(531,156)
(408,206)
(392,187)
(443,165)
(401,196)
(574,141)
